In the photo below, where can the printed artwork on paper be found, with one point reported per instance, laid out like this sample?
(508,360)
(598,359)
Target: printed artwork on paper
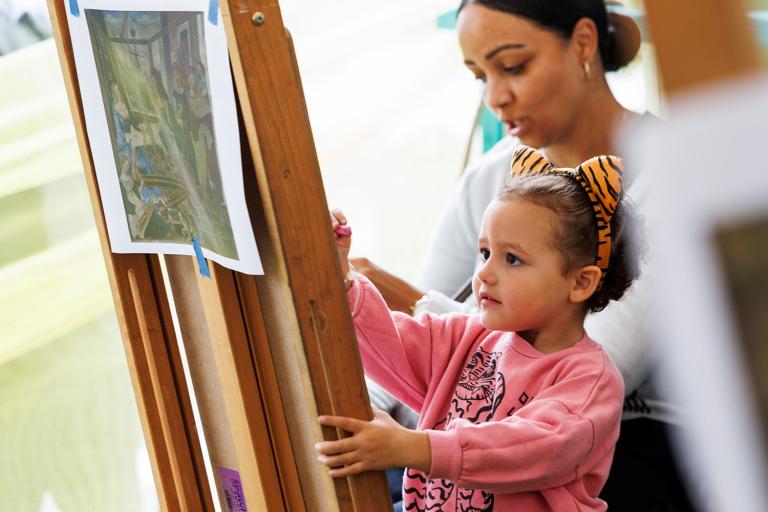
(163,129)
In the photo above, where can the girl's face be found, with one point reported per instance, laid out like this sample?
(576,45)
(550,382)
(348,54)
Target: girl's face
(534,80)
(520,284)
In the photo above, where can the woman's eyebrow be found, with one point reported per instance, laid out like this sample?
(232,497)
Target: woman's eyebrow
(495,51)
(491,54)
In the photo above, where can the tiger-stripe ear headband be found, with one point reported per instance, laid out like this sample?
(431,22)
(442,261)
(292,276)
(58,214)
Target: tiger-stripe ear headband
(601,179)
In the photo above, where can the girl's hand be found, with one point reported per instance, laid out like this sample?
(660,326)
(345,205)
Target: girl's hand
(343,234)
(377,444)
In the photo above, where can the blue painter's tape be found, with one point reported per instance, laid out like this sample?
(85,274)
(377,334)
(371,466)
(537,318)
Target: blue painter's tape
(201,261)
(213,11)
(74,9)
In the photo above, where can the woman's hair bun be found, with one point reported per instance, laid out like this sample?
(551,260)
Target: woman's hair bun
(619,35)
(622,42)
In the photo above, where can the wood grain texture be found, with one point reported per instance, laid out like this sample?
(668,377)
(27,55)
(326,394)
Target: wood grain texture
(162,383)
(296,217)
(240,387)
(198,347)
(701,41)
(282,344)
(154,366)
(274,406)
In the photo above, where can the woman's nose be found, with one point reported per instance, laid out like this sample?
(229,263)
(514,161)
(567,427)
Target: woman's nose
(497,94)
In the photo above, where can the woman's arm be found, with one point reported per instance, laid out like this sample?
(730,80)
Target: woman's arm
(398,293)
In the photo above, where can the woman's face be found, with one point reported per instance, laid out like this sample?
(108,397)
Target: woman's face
(533,77)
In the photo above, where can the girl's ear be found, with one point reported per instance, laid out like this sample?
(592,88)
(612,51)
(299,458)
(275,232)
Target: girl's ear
(584,40)
(584,281)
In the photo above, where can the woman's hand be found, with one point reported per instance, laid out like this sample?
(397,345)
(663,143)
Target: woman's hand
(377,444)
(343,235)
(398,294)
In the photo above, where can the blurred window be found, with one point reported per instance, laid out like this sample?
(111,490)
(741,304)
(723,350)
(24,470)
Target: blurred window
(70,436)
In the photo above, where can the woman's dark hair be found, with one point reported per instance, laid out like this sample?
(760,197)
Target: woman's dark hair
(575,231)
(560,16)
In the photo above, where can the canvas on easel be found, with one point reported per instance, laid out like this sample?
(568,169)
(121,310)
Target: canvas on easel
(267,353)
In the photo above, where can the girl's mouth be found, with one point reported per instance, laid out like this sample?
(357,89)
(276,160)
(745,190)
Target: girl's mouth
(486,300)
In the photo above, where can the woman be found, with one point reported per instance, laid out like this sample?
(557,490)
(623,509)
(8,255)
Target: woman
(543,63)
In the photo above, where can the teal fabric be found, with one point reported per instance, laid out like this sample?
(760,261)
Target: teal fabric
(760,21)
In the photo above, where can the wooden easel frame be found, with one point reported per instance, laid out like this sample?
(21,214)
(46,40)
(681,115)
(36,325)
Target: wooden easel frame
(699,42)
(283,344)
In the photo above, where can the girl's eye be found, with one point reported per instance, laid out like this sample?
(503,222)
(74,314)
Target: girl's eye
(484,254)
(512,259)
(480,78)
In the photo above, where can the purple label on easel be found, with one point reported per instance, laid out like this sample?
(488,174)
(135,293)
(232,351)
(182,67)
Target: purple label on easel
(232,489)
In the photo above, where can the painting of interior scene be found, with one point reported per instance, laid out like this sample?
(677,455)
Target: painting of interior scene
(152,71)
(744,262)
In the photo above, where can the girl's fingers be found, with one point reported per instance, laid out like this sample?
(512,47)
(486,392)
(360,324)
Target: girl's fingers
(378,413)
(352,469)
(347,444)
(334,221)
(337,461)
(338,215)
(349,424)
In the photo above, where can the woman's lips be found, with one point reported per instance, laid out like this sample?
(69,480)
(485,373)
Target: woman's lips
(516,128)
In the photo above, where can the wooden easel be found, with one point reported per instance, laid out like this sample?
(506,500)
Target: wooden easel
(283,345)
(715,42)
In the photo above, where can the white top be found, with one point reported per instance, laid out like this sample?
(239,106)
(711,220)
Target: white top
(453,256)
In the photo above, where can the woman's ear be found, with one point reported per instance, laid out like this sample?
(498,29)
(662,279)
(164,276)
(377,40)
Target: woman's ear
(584,282)
(584,39)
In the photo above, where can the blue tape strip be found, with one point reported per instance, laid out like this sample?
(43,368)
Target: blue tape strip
(213,11)
(74,9)
(201,261)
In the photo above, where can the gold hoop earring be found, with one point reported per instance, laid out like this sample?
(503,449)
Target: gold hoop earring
(587,71)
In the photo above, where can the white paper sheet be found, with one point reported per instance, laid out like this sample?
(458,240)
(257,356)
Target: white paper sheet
(162,124)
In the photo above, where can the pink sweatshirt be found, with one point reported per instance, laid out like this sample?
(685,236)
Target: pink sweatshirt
(510,428)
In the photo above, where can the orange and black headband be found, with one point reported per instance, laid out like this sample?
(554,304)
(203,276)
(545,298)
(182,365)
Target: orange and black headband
(600,177)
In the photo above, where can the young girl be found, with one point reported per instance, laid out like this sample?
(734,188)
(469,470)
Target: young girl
(519,408)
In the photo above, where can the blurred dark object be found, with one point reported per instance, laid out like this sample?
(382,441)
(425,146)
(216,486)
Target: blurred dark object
(22,23)
(744,262)
(644,476)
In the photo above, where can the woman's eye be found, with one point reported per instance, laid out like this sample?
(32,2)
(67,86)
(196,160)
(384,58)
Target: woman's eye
(480,78)
(514,70)
(485,254)
(512,259)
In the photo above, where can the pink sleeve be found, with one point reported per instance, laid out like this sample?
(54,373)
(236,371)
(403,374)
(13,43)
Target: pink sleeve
(568,430)
(399,352)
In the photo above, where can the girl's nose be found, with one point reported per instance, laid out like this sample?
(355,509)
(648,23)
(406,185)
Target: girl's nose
(485,273)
